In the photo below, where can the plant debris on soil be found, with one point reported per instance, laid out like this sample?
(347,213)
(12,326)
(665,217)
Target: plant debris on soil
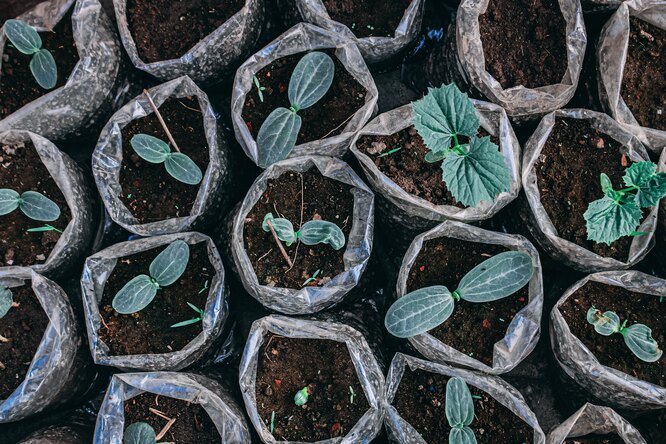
(286,366)
(368,18)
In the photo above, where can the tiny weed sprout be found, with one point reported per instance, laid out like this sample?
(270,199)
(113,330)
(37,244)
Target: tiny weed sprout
(46,227)
(260,89)
(472,171)
(205,287)
(165,269)
(139,433)
(178,165)
(426,308)
(389,152)
(199,318)
(6,301)
(311,278)
(619,212)
(459,409)
(33,204)
(309,82)
(272,421)
(27,41)
(638,337)
(351,395)
(301,396)
(311,233)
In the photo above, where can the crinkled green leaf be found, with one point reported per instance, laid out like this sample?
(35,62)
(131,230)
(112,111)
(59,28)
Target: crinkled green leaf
(605,323)
(9,201)
(182,168)
(150,148)
(44,69)
(311,79)
(6,300)
(135,295)
(462,435)
(283,228)
(277,136)
(651,185)
(139,433)
(459,403)
(638,338)
(497,277)
(419,311)
(171,263)
(24,37)
(321,232)
(39,207)
(608,220)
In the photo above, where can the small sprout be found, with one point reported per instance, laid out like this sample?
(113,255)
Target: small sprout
(388,153)
(199,318)
(311,233)
(46,227)
(459,409)
(260,89)
(351,395)
(178,165)
(33,204)
(26,40)
(272,421)
(6,301)
(311,278)
(302,396)
(205,287)
(139,433)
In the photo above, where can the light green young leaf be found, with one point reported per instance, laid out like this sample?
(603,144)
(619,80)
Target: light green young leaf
(419,311)
(150,148)
(139,433)
(38,207)
(321,232)
(497,277)
(44,69)
(283,228)
(135,295)
(310,80)
(604,323)
(638,338)
(6,300)
(23,36)
(182,168)
(170,264)
(606,185)
(463,435)
(459,406)
(9,201)
(608,220)
(651,185)
(277,136)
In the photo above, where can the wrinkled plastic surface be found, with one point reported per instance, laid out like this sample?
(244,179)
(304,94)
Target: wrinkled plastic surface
(400,431)
(610,385)
(357,248)
(212,57)
(611,56)
(55,435)
(223,411)
(76,238)
(305,37)
(108,155)
(97,270)
(539,221)
(594,419)
(64,111)
(368,371)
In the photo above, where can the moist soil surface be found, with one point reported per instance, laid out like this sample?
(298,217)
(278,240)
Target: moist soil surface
(326,118)
(24,327)
(288,365)
(18,87)
(193,425)
(568,171)
(407,167)
(611,350)
(421,401)
(644,78)
(322,198)
(606,439)
(532,48)
(167,29)
(21,169)
(368,18)
(148,190)
(149,330)
(473,328)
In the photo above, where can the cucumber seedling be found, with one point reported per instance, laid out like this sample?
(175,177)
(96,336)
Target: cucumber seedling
(459,409)
(26,40)
(140,433)
(311,233)
(33,204)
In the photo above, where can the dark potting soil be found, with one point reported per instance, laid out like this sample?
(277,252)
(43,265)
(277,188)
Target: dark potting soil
(421,401)
(606,439)
(368,18)
(23,327)
(21,169)
(322,198)
(644,78)
(473,328)
(192,425)
(611,350)
(407,167)
(532,48)
(326,118)
(149,331)
(18,87)
(568,171)
(286,366)
(167,29)
(148,190)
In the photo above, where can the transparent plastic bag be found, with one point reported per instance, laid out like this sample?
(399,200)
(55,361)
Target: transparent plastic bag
(300,38)
(357,249)
(64,111)
(607,384)
(400,431)
(538,220)
(197,389)
(368,370)
(523,331)
(107,162)
(611,57)
(55,435)
(77,237)
(97,270)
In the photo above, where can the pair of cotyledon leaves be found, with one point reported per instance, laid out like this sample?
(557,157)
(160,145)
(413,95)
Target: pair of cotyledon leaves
(178,165)
(33,204)
(426,308)
(459,409)
(311,233)
(6,301)
(139,433)
(26,40)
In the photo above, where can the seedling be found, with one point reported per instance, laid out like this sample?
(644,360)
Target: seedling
(389,152)
(205,287)
(199,318)
(619,213)
(260,89)
(164,270)
(351,395)
(472,171)
(140,433)
(272,421)
(26,40)
(178,165)
(301,396)
(311,278)
(459,409)
(310,81)
(311,233)
(426,308)
(638,337)
(6,301)
(33,204)
(46,227)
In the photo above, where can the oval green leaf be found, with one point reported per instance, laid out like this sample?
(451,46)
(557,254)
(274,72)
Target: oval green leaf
(283,228)
(277,136)
(135,295)
(419,311)
(9,201)
(23,36)
(604,323)
(170,264)
(463,435)
(638,338)
(321,232)
(150,148)
(182,168)
(6,300)
(311,79)
(459,403)
(39,207)
(497,277)
(139,433)
(44,69)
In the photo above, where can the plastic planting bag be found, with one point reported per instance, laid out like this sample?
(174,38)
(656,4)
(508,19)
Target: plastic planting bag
(76,238)
(594,419)
(368,371)
(108,155)
(209,60)
(612,386)
(65,111)
(611,57)
(305,37)
(400,431)
(539,221)
(55,373)
(523,331)
(357,247)
(96,272)
(417,213)
(196,389)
